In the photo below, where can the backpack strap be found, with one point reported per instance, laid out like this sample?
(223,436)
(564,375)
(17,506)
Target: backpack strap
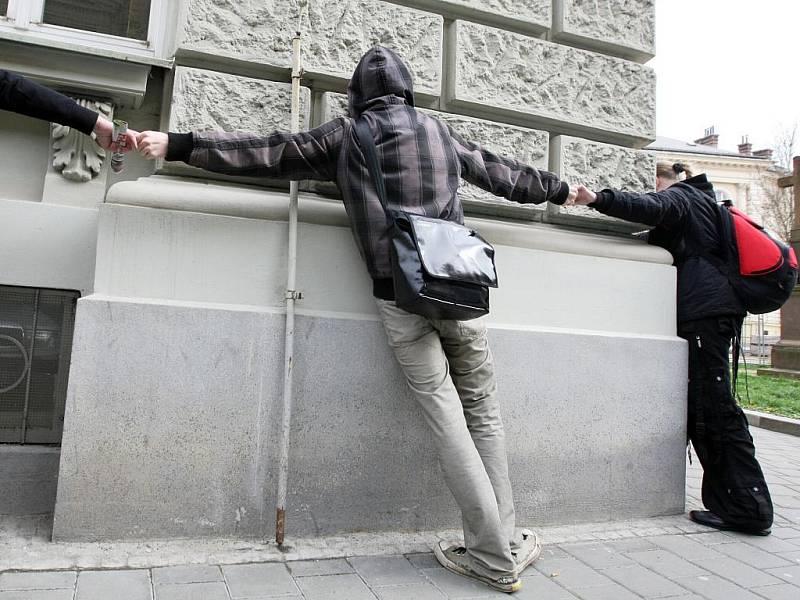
(726,237)
(367,145)
(726,255)
(725,230)
(737,350)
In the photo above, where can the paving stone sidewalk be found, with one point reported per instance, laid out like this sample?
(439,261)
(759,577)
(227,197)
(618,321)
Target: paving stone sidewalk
(669,558)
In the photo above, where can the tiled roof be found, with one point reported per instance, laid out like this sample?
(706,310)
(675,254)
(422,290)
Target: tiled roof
(665,144)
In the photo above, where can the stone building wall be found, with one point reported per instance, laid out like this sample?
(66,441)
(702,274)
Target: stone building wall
(173,410)
(557,84)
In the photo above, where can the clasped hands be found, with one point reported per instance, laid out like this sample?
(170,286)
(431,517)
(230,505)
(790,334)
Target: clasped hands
(580,196)
(150,144)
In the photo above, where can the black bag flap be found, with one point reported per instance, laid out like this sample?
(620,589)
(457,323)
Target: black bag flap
(451,251)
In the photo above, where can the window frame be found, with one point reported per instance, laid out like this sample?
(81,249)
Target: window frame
(23,22)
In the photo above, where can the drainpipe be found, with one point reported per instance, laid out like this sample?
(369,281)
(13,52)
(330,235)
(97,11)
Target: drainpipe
(291,296)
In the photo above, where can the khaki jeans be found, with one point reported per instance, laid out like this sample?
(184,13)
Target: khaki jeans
(449,367)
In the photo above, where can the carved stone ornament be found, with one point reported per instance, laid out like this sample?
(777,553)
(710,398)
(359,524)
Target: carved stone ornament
(75,155)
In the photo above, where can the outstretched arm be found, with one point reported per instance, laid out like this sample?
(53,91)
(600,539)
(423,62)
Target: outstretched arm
(306,155)
(26,97)
(667,208)
(507,177)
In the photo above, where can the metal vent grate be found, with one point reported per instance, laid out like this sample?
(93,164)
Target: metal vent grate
(36,328)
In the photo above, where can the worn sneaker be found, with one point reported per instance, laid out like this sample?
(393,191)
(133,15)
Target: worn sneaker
(529,550)
(456,559)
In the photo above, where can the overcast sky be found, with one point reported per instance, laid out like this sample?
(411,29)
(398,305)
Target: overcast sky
(727,63)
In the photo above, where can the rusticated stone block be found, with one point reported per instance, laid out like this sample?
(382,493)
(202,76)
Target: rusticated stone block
(529,146)
(552,85)
(207,100)
(522,13)
(335,34)
(623,26)
(333,105)
(599,166)
(256,30)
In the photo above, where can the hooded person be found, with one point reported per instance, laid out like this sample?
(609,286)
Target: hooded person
(447,364)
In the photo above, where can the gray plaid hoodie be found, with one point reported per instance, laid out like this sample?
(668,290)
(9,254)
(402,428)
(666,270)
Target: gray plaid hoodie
(422,160)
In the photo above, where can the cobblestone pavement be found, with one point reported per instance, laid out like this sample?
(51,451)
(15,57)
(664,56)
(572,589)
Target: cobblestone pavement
(668,558)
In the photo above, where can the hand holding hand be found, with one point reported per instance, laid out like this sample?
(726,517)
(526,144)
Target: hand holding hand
(573,193)
(104,136)
(153,144)
(585,196)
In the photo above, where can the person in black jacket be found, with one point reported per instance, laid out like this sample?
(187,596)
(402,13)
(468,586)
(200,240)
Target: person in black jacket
(25,97)
(686,217)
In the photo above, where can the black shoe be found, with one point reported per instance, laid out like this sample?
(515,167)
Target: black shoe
(709,519)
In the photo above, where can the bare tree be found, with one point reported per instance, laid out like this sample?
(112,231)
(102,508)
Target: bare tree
(778,204)
(785,143)
(778,207)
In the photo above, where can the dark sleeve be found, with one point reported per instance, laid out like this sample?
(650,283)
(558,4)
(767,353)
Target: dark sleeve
(306,155)
(507,177)
(25,97)
(668,207)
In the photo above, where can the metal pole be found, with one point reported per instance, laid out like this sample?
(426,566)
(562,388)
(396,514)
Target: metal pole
(291,296)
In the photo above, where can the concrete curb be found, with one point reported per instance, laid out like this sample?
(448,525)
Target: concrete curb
(773,422)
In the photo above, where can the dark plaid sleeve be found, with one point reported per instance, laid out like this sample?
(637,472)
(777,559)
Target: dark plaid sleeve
(506,177)
(306,155)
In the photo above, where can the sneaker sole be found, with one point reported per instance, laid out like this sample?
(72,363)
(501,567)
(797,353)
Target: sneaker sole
(451,566)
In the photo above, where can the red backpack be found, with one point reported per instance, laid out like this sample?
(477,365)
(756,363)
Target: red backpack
(767,267)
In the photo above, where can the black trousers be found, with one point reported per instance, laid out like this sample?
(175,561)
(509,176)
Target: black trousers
(733,483)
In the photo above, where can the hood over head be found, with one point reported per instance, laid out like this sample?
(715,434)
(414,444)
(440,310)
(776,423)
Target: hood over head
(380,75)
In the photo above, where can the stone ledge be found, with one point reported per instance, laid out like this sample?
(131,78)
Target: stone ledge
(549,86)
(173,193)
(773,422)
(624,28)
(779,373)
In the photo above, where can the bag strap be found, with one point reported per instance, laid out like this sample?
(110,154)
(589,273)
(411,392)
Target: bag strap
(367,144)
(737,352)
(725,229)
(724,226)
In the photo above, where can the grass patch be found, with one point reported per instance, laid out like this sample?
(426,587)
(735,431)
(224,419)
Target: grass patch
(769,394)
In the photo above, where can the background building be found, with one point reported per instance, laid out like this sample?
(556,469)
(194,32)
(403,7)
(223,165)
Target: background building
(170,361)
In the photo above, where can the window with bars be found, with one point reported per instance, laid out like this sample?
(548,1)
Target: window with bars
(36,328)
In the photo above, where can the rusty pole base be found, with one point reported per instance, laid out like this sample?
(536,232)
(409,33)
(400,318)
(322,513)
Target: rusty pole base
(280,526)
